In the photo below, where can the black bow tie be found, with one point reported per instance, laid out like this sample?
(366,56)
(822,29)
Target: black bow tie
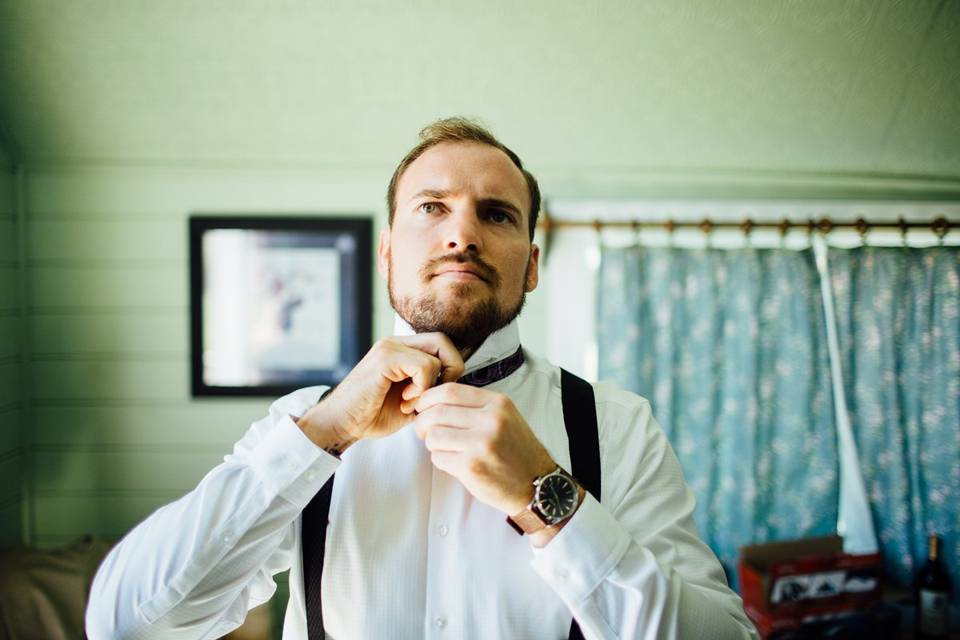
(493,372)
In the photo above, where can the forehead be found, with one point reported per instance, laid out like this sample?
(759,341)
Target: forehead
(465,168)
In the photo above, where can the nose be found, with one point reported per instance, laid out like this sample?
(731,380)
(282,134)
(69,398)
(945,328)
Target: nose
(462,232)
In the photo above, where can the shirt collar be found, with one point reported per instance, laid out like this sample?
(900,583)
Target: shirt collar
(497,346)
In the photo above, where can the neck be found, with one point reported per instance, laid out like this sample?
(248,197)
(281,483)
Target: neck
(498,344)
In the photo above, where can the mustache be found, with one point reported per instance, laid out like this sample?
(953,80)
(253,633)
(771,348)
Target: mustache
(484,269)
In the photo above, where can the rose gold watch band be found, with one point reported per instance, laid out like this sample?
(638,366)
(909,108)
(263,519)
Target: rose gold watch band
(527,522)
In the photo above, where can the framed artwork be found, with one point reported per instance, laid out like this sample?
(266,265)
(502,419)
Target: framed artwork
(277,303)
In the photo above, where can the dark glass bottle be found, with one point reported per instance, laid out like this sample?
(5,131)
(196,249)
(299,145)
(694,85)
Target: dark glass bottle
(932,595)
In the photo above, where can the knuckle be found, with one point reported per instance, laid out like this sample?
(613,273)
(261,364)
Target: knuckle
(476,466)
(488,447)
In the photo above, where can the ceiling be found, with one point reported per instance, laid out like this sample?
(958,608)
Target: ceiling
(861,87)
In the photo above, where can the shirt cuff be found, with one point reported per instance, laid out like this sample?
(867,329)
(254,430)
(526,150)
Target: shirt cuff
(290,464)
(583,553)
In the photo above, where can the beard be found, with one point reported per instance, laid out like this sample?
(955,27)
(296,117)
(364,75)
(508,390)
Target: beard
(464,318)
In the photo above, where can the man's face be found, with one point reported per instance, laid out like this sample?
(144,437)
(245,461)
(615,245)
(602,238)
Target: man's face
(458,257)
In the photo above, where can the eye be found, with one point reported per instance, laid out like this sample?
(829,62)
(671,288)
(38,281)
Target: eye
(429,208)
(499,216)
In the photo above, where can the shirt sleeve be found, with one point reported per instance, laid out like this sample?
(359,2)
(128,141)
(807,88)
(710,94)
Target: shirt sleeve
(194,567)
(634,566)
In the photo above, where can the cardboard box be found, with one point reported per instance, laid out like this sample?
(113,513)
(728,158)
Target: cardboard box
(787,583)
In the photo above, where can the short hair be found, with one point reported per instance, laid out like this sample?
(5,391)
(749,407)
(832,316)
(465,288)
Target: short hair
(459,129)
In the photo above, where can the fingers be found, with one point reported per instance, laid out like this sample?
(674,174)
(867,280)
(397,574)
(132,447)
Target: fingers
(447,417)
(439,346)
(454,394)
(440,438)
(402,363)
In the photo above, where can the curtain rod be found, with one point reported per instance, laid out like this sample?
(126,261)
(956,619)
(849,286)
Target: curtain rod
(939,226)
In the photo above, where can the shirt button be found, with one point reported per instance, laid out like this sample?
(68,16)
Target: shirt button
(443,530)
(227,538)
(311,475)
(440,622)
(562,573)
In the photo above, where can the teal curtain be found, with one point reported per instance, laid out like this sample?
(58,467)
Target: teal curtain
(730,348)
(898,325)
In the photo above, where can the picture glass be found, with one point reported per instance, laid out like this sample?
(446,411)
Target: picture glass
(278,307)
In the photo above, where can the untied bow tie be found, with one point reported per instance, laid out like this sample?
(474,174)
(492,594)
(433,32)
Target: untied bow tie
(493,372)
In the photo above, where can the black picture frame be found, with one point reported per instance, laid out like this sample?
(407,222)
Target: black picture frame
(275,281)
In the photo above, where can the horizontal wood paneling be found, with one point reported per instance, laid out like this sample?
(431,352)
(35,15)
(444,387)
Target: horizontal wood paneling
(9,288)
(53,380)
(109,516)
(9,336)
(172,194)
(7,199)
(205,423)
(121,471)
(8,239)
(109,240)
(12,432)
(10,479)
(156,285)
(114,429)
(10,524)
(12,429)
(10,382)
(131,334)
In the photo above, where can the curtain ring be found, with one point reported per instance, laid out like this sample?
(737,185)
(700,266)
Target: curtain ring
(811,228)
(940,227)
(706,226)
(747,227)
(784,228)
(635,225)
(862,229)
(903,231)
(670,226)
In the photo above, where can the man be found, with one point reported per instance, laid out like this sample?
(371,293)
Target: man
(417,541)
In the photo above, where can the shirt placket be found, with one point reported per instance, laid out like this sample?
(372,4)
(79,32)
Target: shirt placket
(444,616)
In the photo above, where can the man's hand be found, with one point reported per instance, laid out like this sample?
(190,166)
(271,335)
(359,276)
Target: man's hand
(377,397)
(480,438)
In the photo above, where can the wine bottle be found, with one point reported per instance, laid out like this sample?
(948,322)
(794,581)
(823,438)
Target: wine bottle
(932,595)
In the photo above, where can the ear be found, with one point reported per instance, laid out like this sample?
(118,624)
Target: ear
(383,254)
(533,269)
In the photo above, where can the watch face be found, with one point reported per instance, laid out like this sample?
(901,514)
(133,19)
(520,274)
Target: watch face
(556,498)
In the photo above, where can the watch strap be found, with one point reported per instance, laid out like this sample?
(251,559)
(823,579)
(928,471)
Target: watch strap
(526,522)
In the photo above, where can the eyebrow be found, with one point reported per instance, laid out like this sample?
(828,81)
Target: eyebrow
(486,202)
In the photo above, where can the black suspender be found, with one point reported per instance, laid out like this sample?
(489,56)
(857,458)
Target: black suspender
(580,421)
(314,520)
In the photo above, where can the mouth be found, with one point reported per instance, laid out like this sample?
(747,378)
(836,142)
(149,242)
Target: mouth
(462,273)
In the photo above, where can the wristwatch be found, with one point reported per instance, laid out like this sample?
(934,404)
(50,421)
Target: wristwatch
(556,497)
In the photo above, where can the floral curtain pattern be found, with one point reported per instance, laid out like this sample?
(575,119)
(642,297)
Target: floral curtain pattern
(898,326)
(730,348)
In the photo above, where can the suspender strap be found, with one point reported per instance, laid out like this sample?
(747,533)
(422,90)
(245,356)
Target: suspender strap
(580,420)
(313,538)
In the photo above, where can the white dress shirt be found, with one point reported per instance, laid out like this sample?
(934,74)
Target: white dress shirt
(410,553)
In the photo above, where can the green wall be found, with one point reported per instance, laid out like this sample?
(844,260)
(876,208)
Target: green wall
(11,406)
